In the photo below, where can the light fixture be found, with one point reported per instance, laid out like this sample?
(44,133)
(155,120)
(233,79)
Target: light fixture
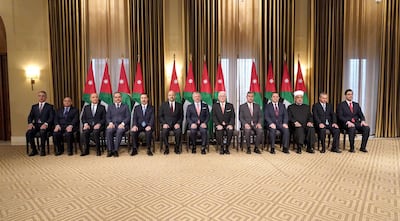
(32,73)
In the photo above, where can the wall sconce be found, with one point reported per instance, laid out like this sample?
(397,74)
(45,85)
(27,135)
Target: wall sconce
(32,73)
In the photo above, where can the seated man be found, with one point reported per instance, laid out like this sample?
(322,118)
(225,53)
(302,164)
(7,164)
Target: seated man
(325,119)
(276,118)
(143,121)
(301,121)
(40,119)
(351,118)
(171,117)
(66,122)
(251,118)
(197,116)
(117,120)
(224,120)
(93,119)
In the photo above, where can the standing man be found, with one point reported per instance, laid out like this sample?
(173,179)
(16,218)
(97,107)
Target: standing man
(224,120)
(66,122)
(117,121)
(276,117)
(93,120)
(171,117)
(251,119)
(351,119)
(197,116)
(40,119)
(325,119)
(143,121)
(301,121)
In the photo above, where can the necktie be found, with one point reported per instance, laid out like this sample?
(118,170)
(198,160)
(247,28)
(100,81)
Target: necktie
(65,111)
(351,107)
(223,107)
(276,110)
(171,106)
(118,105)
(251,109)
(198,109)
(93,110)
(324,107)
(144,110)
(40,107)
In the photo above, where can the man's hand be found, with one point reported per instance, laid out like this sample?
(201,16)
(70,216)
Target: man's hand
(246,126)
(177,126)
(309,124)
(148,128)
(297,124)
(97,126)
(335,126)
(350,124)
(321,125)
(258,126)
(110,125)
(219,127)
(273,126)
(193,126)
(165,126)
(134,129)
(43,127)
(30,126)
(364,124)
(203,125)
(69,128)
(86,126)
(229,127)
(57,128)
(285,126)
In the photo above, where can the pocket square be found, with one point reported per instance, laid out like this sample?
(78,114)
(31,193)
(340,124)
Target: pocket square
(228,110)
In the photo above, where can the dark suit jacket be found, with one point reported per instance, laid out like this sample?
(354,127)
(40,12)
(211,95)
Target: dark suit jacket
(320,116)
(228,116)
(71,118)
(192,117)
(138,116)
(117,116)
(269,114)
(344,114)
(171,118)
(40,117)
(98,118)
(299,113)
(245,116)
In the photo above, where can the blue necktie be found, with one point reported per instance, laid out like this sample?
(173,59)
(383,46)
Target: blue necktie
(144,113)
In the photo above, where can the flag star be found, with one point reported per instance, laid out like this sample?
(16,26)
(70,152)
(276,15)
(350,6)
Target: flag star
(300,81)
(121,81)
(219,81)
(205,81)
(90,82)
(286,80)
(190,81)
(139,82)
(271,81)
(254,81)
(105,81)
(175,81)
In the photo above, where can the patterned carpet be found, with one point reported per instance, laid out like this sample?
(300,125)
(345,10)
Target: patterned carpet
(194,187)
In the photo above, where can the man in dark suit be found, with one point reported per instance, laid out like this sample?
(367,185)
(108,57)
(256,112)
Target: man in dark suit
(301,121)
(117,120)
(171,117)
(197,116)
(66,122)
(251,119)
(325,119)
(143,121)
(93,120)
(351,118)
(40,119)
(224,120)
(276,118)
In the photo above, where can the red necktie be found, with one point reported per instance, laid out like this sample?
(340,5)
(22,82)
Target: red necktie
(171,106)
(198,109)
(276,110)
(352,111)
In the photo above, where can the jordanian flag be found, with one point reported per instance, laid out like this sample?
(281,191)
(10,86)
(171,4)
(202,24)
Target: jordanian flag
(105,89)
(90,86)
(123,87)
(138,87)
(255,86)
(286,88)
(190,87)
(269,83)
(219,82)
(174,85)
(205,91)
(300,86)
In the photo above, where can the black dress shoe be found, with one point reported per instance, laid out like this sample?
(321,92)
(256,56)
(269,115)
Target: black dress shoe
(84,154)
(115,154)
(134,152)
(193,149)
(352,150)
(336,150)
(203,150)
(70,154)
(272,151)
(109,154)
(298,150)
(310,150)
(166,152)
(257,151)
(42,153)
(98,153)
(33,153)
(59,153)
(227,150)
(248,150)
(285,150)
(221,151)
(364,150)
(149,153)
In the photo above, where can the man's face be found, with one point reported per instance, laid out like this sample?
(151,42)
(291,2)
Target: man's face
(94,98)
(42,97)
(222,97)
(144,99)
(349,96)
(196,97)
(323,98)
(250,98)
(275,97)
(298,99)
(67,102)
(171,96)
(117,98)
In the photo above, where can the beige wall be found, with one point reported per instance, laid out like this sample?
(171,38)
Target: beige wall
(27,29)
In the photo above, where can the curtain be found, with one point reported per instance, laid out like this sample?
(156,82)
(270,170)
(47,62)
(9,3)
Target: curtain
(202,36)
(146,37)
(387,114)
(5,129)
(68,52)
(361,60)
(327,27)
